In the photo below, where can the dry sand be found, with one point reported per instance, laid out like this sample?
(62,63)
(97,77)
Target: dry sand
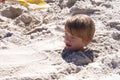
(31,41)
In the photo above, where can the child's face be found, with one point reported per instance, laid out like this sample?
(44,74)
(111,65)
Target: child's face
(73,42)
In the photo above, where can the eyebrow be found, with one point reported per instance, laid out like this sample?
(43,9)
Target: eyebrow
(70,34)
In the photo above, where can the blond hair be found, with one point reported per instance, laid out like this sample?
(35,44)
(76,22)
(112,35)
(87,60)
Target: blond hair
(81,25)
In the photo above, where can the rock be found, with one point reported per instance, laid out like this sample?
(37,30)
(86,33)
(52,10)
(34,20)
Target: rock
(107,5)
(76,10)
(114,24)
(26,18)
(70,3)
(116,36)
(8,34)
(66,3)
(97,2)
(11,12)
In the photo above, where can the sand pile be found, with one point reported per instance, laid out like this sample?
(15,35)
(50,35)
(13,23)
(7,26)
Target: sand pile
(31,41)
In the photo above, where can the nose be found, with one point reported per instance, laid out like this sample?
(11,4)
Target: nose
(67,39)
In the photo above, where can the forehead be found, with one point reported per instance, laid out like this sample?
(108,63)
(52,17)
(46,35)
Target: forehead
(71,35)
(75,32)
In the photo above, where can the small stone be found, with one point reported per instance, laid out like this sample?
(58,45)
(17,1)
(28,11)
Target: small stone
(8,34)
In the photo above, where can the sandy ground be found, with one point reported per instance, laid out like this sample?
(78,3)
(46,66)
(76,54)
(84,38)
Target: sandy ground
(31,41)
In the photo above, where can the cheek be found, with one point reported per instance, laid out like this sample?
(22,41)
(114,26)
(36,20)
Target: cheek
(78,43)
(67,38)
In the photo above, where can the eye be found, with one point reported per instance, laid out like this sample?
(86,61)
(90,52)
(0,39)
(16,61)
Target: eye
(65,33)
(72,37)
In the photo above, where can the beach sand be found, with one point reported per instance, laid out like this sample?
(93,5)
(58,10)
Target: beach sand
(31,41)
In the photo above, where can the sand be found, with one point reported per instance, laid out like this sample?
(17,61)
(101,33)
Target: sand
(31,41)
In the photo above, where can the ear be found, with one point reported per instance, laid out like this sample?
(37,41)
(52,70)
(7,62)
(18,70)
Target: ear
(87,41)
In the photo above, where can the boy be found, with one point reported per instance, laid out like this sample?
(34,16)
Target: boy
(3,1)
(79,31)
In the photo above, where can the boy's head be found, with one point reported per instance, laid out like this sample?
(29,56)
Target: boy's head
(79,31)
